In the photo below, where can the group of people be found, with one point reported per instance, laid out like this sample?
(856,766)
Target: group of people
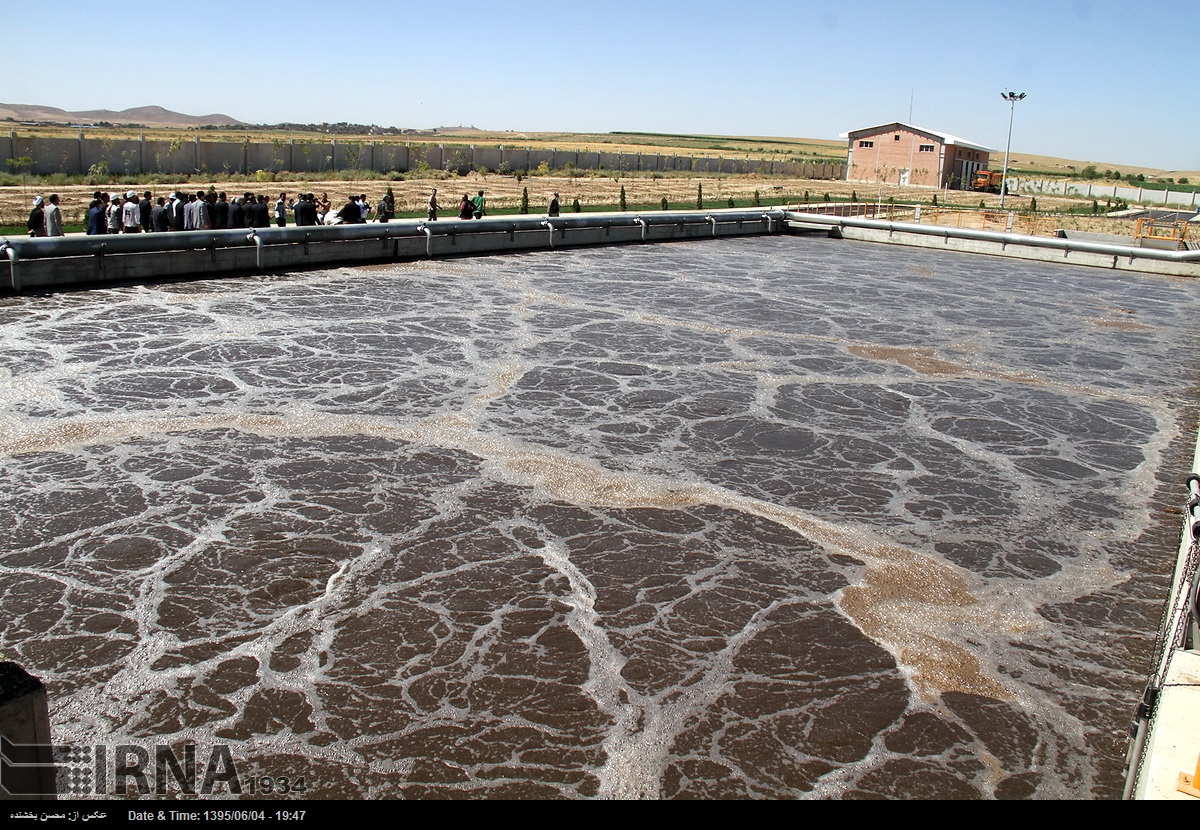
(45,219)
(469,207)
(209,210)
(131,213)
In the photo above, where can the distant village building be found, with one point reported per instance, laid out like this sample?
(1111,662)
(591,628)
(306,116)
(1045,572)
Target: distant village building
(902,154)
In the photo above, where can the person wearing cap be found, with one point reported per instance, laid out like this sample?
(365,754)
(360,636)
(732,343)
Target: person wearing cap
(131,214)
(113,213)
(54,223)
(37,218)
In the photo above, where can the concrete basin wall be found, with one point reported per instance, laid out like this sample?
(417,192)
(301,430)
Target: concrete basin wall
(63,262)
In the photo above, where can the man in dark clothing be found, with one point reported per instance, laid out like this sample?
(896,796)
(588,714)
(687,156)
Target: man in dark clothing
(178,207)
(351,214)
(145,208)
(306,211)
(220,213)
(96,221)
(237,218)
(160,218)
(259,213)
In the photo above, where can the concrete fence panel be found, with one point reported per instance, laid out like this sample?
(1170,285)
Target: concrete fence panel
(215,156)
(7,152)
(50,155)
(264,156)
(561,158)
(536,157)
(389,157)
(489,157)
(123,157)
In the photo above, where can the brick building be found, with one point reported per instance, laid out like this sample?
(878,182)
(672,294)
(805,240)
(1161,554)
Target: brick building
(906,155)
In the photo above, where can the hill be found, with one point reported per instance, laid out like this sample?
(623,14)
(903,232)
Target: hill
(144,116)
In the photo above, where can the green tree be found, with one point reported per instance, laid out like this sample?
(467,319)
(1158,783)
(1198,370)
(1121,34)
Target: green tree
(665,206)
(1090,172)
(575,206)
(623,205)
(699,197)
(524,200)
(731,204)
(757,201)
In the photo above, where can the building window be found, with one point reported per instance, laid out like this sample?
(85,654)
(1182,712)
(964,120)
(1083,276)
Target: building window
(866,144)
(897,136)
(926,148)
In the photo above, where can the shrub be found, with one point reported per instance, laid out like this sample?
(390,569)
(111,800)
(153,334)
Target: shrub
(524,200)
(699,197)
(853,195)
(1033,204)
(623,205)
(731,204)
(757,202)
(828,198)
(665,206)
(575,206)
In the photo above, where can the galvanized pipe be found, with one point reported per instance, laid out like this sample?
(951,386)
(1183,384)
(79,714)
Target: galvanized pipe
(428,239)
(14,280)
(258,247)
(1065,245)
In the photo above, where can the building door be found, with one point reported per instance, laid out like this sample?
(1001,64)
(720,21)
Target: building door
(903,177)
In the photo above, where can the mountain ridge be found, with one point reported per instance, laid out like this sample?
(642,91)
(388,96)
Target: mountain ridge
(152,116)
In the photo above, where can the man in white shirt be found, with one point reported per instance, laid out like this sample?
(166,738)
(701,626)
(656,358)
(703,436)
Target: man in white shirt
(131,214)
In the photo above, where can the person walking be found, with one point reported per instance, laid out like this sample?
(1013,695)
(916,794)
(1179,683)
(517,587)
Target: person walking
(433,206)
(553,209)
(465,208)
(480,204)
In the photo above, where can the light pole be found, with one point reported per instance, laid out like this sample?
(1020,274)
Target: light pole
(1012,98)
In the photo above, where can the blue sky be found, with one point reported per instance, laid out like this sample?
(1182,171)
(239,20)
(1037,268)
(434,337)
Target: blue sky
(1107,80)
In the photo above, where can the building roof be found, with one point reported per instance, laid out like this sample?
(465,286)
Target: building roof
(945,138)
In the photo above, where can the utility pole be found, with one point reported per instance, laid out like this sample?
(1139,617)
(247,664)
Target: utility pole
(1012,98)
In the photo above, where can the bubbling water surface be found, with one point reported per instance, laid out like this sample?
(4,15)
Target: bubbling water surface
(752,518)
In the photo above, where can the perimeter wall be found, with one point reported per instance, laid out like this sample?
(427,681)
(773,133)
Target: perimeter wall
(81,155)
